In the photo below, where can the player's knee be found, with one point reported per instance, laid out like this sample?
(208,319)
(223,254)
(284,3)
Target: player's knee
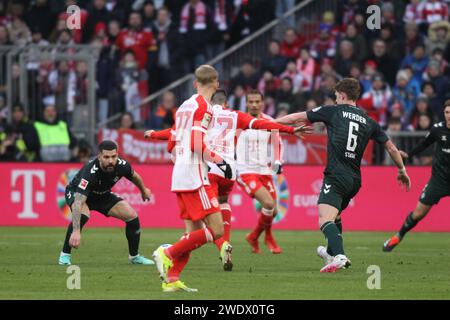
(268,204)
(218,231)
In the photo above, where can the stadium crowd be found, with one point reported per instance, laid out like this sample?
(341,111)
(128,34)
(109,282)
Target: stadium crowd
(403,67)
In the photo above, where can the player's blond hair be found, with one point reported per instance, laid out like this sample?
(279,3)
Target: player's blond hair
(206,74)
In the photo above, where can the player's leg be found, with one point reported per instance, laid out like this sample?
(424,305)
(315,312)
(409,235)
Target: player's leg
(327,216)
(223,243)
(265,218)
(65,255)
(123,211)
(433,191)
(269,238)
(410,222)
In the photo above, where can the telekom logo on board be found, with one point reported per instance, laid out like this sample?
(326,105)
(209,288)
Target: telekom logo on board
(27,194)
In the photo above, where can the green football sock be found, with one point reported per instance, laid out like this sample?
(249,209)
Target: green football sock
(338,223)
(334,238)
(407,225)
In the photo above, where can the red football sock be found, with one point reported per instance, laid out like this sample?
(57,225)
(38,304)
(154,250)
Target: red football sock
(263,221)
(179,263)
(226,216)
(268,227)
(189,242)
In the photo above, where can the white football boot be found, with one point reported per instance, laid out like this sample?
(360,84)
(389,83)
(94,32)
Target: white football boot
(340,261)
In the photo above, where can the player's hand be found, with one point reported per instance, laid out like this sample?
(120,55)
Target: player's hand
(403,180)
(404,154)
(148,134)
(75,239)
(302,130)
(146,194)
(277,167)
(226,169)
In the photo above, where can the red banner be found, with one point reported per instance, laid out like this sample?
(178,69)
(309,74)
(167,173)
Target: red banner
(33,195)
(136,149)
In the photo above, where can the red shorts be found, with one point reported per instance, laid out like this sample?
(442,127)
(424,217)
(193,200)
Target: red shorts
(221,186)
(196,205)
(252,182)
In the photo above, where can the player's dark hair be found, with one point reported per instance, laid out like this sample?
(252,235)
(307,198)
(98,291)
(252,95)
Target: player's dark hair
(108,145)
(219,97)
(350,87)
(254,91)
(447,103)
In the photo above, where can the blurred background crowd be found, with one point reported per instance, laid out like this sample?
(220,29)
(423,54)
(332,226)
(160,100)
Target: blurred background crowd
(144,45)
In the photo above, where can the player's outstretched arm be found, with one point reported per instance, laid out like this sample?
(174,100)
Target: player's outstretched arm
(77,207)
(138,182)
(158,135)
(402,176)
(428,141)
(292,118)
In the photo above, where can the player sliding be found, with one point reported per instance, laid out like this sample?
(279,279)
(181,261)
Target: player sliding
(349,130)
(225,127)
(90,189)
(439,184)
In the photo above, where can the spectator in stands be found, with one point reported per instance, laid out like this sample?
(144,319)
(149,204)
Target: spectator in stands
(196,24)
(148,14)
(394,126)
(348,10)
(428,91)
(128,78)
(413,12)
(237,101)
(83,154)
(269,84)
(291,44)
(223,12)
(403,94)
(306,66)
(385,64)
(81,86)
(394,49)
(285,98)
(418,61)
(421,107)
(438,56)
(440,82)
(284,6)
(370,69)
(10,146)
(295,76)
(26,136)
(358,41)
(326,87)
(3,111)
(166,36)
(139,40)
(345,58)
(270,106)
(376,101)
(248,77)
(41,16)
(113,31)
(19,33)
(318,127)
(326,70)
(324,45)
(96,15)
(164,115)
(62,82)
(127,121)
(433,11)
(55,138)
(5,39)
(274,61)
(412,38)
(438,36)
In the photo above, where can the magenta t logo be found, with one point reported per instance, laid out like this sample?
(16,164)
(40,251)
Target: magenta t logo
(27,196)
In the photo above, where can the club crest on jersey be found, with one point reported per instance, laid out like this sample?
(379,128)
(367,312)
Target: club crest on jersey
(83,184)
(206,120)
(214,202)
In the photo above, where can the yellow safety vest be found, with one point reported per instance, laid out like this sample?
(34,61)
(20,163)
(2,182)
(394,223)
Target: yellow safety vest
(51,135)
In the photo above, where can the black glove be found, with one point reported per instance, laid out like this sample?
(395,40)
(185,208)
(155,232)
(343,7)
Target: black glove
(277,167)
(226,169)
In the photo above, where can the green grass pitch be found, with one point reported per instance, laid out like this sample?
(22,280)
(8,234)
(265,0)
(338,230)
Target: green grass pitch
(417,269)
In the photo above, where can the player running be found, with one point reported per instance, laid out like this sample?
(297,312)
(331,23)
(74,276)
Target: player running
(90,189)
(258,156)
(349,130)
(439,184)
(221,138)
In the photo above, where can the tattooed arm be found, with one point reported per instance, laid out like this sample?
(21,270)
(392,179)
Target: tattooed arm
(77,206)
